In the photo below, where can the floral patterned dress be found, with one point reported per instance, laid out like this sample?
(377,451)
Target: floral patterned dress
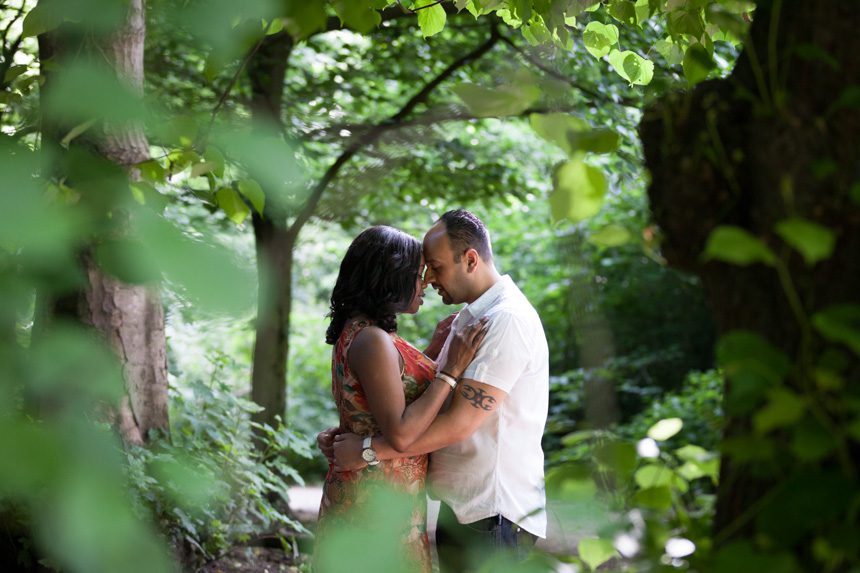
(344,493)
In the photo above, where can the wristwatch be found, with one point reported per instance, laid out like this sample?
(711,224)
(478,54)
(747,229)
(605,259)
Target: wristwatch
(368,454)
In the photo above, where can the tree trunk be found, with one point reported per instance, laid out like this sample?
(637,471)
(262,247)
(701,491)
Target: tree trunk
(130,317)
(766,144)
(274,245)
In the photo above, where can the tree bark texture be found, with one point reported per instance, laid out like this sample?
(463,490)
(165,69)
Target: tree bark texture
(274,246)
(129,316)
(767,143)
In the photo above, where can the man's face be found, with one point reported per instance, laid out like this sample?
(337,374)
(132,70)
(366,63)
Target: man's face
(449,278)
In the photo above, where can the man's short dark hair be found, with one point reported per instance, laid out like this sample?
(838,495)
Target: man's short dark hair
(466,231)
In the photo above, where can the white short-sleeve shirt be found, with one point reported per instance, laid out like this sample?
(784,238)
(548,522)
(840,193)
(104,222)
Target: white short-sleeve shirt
(499,468)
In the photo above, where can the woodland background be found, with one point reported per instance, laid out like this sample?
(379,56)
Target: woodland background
(672,183)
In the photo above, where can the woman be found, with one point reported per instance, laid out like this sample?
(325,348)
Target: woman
(381,383)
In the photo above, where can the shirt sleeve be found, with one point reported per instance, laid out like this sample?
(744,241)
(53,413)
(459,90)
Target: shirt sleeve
(503,354)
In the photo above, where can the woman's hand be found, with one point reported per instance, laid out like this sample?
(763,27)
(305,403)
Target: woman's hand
(347,453)
(440,335)
(325,442)
(464,345)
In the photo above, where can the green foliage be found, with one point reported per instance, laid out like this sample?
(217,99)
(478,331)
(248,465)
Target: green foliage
(698,403)
(735,245)
(501,100)
(579,191)
(811,240)
(209,485)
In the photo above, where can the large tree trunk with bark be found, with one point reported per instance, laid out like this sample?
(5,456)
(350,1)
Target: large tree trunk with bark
(768,143)
(274,244)
(129,316)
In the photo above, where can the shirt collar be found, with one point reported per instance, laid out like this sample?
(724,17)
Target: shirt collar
(490,296)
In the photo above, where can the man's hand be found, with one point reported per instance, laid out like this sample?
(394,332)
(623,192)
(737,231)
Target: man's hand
(347,453)
(325,442)
(437,341)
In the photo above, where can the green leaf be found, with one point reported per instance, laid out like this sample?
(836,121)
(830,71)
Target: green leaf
(653,475)
(741,350)
(693,453)
(207,274)
(659,498)
(698,64)
(601,140)
(812,441)
(151,170)
(268,159)
(643,11)
(612,235)
(252,191)
(665,429)
(578,192)
(44,17)
(698,462)
(599,38)
(670,51)
(213,156)
(275,26)
(784,408)
(430,20)
(76,131)
(735,245)
(753,365)
(813,241)
(13,72)
(624,11)
(499,101)
(302,19)
(202,168)
(358,15)
(554,127)
(573,134)
(231,203)
(686,22)
(632,67)
(840,323)
(86,90)
(535,32)
(595,552)
(617,457)
(853,429)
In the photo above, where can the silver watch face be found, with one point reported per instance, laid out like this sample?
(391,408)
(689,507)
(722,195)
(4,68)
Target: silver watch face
(368,455)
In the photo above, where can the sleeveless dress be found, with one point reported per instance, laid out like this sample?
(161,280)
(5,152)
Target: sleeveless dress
(346,493)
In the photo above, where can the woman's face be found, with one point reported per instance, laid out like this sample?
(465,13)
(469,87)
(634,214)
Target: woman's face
(420,285)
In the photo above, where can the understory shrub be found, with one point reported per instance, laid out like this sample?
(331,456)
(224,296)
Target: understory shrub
(211,483)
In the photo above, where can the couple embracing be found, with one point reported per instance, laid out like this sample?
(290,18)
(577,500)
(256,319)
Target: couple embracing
(475,400)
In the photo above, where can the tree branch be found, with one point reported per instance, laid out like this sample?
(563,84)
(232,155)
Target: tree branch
(391,13)
(427,6)
(392,122)
(594,94)
(234,79)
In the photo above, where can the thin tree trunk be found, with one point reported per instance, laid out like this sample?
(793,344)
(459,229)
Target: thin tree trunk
(274,246)
(765,144)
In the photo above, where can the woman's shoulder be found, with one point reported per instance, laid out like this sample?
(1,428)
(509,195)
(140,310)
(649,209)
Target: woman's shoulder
(369,337)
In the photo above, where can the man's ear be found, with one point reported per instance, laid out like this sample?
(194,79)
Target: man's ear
(472,259)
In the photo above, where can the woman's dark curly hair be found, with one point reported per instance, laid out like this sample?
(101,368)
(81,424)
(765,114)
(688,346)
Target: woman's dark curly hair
(377,279)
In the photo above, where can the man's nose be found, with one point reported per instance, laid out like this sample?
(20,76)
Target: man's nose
(429,278)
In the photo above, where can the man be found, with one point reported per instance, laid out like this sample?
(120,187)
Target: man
(487,462)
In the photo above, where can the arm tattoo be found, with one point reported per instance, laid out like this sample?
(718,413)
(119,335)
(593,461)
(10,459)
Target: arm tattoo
(478,398)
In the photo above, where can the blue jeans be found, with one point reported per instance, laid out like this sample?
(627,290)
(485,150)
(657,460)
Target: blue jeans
(463,546)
